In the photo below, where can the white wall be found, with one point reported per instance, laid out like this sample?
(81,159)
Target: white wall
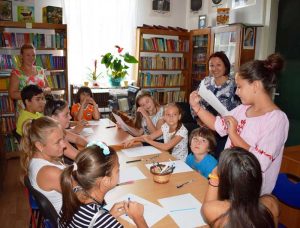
(176,17)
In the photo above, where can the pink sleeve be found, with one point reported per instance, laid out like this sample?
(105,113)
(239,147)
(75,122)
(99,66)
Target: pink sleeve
(271,141)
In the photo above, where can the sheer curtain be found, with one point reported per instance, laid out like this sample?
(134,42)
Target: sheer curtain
(94,28)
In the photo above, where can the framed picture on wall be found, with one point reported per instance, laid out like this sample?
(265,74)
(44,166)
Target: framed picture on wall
(202,21)
(249,34)
(242,3)
(5,11)
(161,6)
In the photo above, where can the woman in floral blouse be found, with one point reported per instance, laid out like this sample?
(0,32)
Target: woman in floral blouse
(27,74)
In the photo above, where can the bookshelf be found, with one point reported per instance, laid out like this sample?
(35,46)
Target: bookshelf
(50,41)
(164,59)
(200,40)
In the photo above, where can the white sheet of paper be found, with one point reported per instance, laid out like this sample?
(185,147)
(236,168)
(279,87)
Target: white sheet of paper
(210,98)
(140,151)
(130,174)
(152,212)
(180,166)
(94,122)
(123,125)
(87,131)
(184,210)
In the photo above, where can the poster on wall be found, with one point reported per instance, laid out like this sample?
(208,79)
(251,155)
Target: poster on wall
(242,3)
(249,34)
(161,6)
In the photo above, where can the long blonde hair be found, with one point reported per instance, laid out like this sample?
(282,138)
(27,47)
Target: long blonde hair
(34,131)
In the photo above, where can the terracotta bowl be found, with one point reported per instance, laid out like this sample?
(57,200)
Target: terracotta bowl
(158,177)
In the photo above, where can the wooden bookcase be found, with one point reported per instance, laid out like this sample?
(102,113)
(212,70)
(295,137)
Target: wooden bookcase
(164,63)
(200,40)
(50,41)
(230,39)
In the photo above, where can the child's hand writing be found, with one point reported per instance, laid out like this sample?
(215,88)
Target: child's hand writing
(134,210)
(118,209)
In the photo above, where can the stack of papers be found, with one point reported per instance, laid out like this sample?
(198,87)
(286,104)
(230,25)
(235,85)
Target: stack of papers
(140,151)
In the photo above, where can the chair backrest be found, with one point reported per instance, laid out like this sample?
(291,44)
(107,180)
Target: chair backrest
(287,191)
(45,207)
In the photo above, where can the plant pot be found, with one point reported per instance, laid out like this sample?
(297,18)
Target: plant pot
(115,82)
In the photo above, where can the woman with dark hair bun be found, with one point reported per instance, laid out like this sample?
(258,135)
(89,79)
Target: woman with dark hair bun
(233,196)
(257,125)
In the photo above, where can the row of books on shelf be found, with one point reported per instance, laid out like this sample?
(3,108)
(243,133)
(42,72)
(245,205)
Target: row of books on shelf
(6,104)
(8,124)
(47,61)
(165,45)
(10,143)
(159,62)
(165,96)
(160,80)
(56,80)
(39,40)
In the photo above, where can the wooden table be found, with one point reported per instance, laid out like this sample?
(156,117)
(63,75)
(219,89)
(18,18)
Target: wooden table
(147,188)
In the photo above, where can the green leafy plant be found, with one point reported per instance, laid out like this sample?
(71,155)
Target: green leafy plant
(116,64)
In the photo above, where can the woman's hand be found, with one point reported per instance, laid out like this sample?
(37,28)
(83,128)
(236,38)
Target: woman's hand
(231,124)
(194,100)
(118,209)
(142,111)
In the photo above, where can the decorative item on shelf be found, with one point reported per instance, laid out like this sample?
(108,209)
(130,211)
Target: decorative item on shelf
(25,14)
(5,11)
(93,76)
(116,65)
(223,16)
(52,14)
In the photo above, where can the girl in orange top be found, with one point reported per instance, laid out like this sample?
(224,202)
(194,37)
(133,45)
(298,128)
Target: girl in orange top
(86,108)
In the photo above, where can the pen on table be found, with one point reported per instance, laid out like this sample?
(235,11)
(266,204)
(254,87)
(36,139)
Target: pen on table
(183,209)
(111,126)
(124,183)
(137,160)
(181,185)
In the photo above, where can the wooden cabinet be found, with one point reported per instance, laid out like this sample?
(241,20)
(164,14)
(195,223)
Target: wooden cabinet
(164,63)
(200,48)
(50,41)
(237,41)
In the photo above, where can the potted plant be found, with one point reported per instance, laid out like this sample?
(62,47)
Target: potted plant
(116,65)
(93,76)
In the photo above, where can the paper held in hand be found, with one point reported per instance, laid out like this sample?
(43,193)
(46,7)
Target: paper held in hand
(123,125)
(211,99)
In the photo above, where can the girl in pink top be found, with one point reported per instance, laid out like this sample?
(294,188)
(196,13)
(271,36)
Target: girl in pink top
(257,125)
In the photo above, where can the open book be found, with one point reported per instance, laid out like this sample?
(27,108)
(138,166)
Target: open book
(211,99)
(123,125)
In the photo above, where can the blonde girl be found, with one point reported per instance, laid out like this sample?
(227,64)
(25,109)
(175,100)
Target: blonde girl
(174,134)
(42,147)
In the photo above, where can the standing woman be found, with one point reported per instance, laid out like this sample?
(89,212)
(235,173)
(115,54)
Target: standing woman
(257,125)
(42,147)
(223,86)
(27,74)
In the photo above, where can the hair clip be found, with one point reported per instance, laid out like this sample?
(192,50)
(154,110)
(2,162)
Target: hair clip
(101,145)
(75,167)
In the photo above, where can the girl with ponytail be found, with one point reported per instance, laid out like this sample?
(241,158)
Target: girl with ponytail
(84,185)
(257,125)
(42,146)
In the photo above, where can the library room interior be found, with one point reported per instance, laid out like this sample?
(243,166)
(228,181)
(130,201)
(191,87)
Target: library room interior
(149,113)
